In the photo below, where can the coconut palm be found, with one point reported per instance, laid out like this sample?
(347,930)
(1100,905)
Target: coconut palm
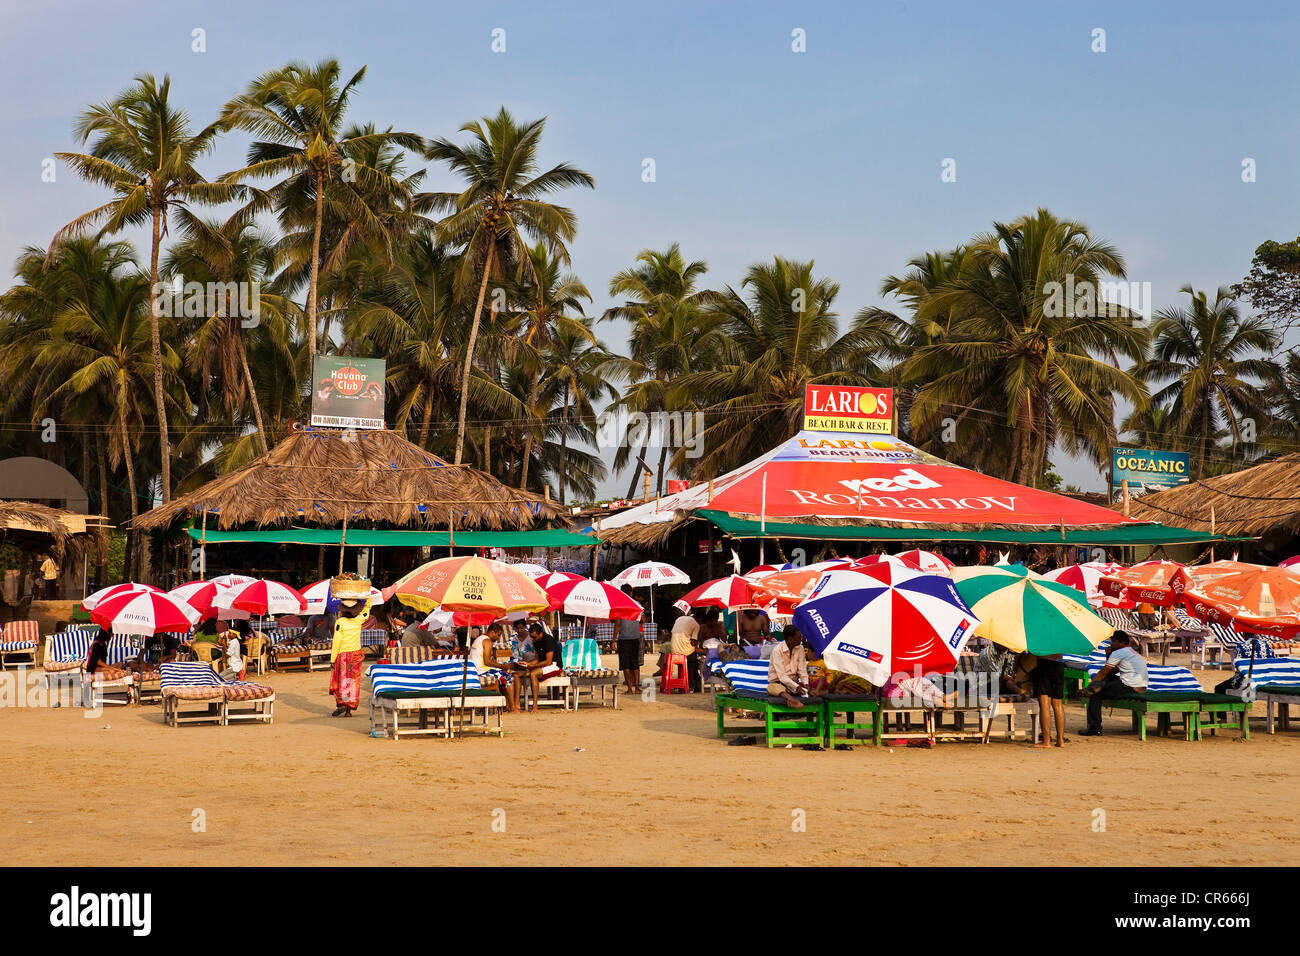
(503,201)
(297,112)
(575,381)
(781,335)
(1216,366)
(144,150)
(1054,373)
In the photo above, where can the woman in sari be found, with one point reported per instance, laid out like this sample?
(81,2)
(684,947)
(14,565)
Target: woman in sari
(353,596)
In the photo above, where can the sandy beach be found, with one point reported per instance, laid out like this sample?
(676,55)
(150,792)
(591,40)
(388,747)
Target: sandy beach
(648,784)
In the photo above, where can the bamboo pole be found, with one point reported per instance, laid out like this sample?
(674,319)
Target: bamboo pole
(343,541)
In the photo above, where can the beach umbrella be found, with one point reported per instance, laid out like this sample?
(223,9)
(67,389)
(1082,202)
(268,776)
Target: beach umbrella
(1033,614)
(725,594)
(1260,600)
(231,580)
(261,597)
(927,561)
(1160,583)
(198,595)
(883,620)
(92,600)
(763,570)
(440,620)
(469,583)
(1007,570)
(532,570)
(648,574)
(144,612)
(1083,577)
(871,560)
(552,578)
(317,596)
(1201,573)
(593,599)
(788,588)
(1289,562)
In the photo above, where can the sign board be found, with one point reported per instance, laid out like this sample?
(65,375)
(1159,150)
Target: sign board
(347,392)
(848,408)
(1146,470)
(676,485)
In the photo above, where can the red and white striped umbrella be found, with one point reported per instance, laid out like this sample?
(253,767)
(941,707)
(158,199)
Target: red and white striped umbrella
(232,580)
(317,595)
(262,597)
(551,578)
(1289,562)
(732,591)
(872,560)
(199,595)
(649,573)
(925,561)
(1085,577)
(597,600)
(145,612)
(532,570)
(92,600)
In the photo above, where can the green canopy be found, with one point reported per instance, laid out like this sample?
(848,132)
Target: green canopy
(380,538)
(1121,535)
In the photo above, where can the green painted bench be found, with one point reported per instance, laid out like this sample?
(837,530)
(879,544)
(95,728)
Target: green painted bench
(846,732)
(1224,711)
(782,724)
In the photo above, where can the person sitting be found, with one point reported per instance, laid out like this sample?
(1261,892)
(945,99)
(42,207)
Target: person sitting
(417,634)
(547,661)
(788,668)
(483,655)
(1123,675)
(97,660)
(685,632)
(521,644)
(916,691)
(753,626)
(234,668)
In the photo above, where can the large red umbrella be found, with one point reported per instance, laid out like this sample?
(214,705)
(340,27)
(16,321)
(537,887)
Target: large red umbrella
(1161,583)
(1261,601)
(726,593)
(199,595)
(262,597)
(90,601)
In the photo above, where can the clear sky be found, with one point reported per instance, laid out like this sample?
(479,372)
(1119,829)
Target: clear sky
(833,154)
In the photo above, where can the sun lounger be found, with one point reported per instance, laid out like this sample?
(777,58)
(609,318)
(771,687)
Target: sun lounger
(782,724)
(582,665)
(19,641)
(1176,691)
(290,651)
(66,652)
(419,654)
(1278,683)
(430,693)
(194,693)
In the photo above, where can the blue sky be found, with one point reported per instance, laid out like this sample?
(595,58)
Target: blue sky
(833,154)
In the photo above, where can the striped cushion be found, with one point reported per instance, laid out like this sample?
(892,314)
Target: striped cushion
(581,653)
(288,650)
(1271,671)
(23,633)
(285,635)
(122,648)
(605,630)
(189,674)
(415,655)
(1162,679)
(70,647)
(443,674)
(194,693)
(62,667)
(17,645)
(1186,621)
(593,672)
(747,675)
(1116,617)
(242,690)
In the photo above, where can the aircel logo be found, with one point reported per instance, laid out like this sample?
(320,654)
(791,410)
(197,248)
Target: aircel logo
(906,480)
(77,909)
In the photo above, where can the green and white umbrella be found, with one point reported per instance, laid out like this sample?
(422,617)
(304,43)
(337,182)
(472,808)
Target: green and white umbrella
(1024,613)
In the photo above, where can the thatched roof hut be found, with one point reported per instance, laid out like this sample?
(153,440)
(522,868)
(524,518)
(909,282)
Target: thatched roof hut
(329,477)
(1263,500)
(37,527)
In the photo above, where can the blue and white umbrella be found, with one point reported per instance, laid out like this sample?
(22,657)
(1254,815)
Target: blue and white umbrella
(881,620)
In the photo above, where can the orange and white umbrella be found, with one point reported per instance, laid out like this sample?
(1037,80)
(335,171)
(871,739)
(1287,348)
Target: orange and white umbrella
(1204,573)
(1160,583)
(1260,601)
(469,583)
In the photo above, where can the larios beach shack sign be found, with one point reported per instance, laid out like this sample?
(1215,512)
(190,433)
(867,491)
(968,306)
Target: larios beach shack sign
(1146,470)
(848,408)
(347,392)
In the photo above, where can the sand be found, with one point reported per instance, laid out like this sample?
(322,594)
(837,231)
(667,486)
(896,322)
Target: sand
(647,784)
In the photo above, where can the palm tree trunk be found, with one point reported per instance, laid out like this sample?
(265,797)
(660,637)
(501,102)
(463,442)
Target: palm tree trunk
(101,552)
(315,275)
(487,449)
(531,413)
(1025,431)
(155,337)
(564,442)
(428,414)
(636,466)
(469,355)
(252,395)
(130,483)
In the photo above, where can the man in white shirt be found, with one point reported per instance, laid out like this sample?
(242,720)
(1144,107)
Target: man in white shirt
(234,657)
(787,673)
(1124,675)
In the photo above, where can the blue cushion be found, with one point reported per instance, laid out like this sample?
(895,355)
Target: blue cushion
(443,674)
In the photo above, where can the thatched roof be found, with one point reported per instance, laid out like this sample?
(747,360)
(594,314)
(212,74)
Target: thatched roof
(324,476)
(34,526)
(1251,502)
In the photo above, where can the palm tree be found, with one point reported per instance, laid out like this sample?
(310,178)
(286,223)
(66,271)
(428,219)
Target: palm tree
(575,381)
(1052,374)
(1217,368)
(672,335)
(227,255)
(144,152)
(1283,434)
(298,112)
(501,203)
(781,334)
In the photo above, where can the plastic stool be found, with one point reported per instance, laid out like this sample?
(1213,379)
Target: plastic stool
(675,676)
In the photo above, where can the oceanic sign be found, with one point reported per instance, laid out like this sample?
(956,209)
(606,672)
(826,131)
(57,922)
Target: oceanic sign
(848,408)
(1147,470)
(347,392)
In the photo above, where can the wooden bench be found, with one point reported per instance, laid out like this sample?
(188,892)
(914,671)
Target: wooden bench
(782,724)
(432,714)
(845,733)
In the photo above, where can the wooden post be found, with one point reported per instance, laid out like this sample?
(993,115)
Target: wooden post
(1212,531)
(646,495)
(1123,490)
(595,550)
(203,547)
(343,541)
(451,532)
(710,492)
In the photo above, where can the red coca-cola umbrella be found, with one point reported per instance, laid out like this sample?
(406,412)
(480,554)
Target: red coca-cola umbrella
(1159,583)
